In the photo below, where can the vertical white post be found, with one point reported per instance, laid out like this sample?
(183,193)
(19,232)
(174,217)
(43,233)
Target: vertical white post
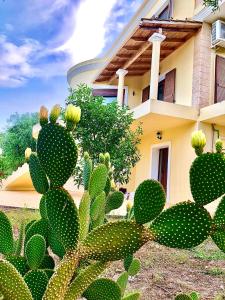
(121,73)
(156,40)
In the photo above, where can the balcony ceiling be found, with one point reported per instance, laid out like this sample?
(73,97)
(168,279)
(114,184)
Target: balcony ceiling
(135,54)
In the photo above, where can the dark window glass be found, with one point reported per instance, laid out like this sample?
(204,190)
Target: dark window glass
(165,14)
(161,90)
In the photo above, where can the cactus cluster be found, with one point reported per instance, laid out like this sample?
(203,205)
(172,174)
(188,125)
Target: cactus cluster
(83,238)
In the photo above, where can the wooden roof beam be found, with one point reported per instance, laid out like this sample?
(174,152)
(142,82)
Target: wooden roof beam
(168,29)
(167,40)
(141,50)
(132,48)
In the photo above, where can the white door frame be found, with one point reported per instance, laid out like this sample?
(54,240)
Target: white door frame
(154,164)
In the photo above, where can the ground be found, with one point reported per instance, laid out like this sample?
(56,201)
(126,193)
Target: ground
(166,272)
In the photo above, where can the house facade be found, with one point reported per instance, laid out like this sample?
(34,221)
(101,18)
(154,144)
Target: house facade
(165,68)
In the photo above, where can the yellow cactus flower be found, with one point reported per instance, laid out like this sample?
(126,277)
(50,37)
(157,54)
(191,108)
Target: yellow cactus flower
(198,141)
(73,113)
(28,152)
(129,205)
(55,112)
(43,115)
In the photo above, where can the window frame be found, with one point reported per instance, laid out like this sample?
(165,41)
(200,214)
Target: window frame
(112,87)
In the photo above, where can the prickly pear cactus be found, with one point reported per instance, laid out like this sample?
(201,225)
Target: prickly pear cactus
(84,240)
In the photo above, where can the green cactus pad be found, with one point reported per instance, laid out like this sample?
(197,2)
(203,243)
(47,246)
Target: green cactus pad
(135,267)
(6,235)
(84,279)
(60,280)
(132,296)
(57,153)
(19,262)
(149,201)
(63,217)
(19,241)
(84,215)
(104,289)
(87,173)
(107,186)
(114,201)
(35,251)
(98,206)
(183,226)
(207,177)
(183,297)
(194,296)
(127,261)
(219,219)
(42,208)
(38,227)
(49,272)
(122,282)
(47,263)
(55,244)
(28,225)
(12,285)
(115,240)
(38,176)
(98,180)
(218,234)
(218,237)
(36,281)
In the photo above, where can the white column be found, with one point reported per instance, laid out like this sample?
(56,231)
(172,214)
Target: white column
(156,40)
(121,73)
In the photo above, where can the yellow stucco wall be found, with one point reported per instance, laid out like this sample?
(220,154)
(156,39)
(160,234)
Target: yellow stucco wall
(182,156)
(182,8)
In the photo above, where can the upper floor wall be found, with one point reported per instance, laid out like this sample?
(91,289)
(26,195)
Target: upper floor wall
(194,63)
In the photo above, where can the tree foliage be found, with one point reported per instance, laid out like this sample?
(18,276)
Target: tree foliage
(213,3)
(16,138)
(106,128)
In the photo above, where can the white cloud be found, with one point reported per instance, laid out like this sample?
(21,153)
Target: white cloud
(94,24)
(42,11)
(15,62)
(88,38)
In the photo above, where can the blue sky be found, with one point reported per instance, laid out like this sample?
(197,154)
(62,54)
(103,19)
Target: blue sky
(41,39)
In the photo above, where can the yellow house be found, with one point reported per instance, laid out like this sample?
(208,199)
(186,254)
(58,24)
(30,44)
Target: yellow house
(167,68)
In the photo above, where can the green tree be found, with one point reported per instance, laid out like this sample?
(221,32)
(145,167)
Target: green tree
(213,3)
(106,128)
(14,141)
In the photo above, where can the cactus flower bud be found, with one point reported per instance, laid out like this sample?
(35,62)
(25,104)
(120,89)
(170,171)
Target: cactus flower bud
(55,112)
(101,158)
(107,160)
(129,205)
(43,115)
(198,141)
(219,146)
(72,116)
(28,152)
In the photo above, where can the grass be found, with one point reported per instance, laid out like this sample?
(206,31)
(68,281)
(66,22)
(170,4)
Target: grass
(207,251)
(18,215)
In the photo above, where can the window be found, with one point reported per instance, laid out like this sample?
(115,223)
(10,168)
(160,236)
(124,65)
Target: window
(220,79)
(165,14)
(166,88)
(161,90)
(109,95)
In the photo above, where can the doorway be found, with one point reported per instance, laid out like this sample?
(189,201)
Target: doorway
(160,165)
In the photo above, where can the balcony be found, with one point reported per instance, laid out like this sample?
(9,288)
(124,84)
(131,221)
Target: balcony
(158,115)
(213,114)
